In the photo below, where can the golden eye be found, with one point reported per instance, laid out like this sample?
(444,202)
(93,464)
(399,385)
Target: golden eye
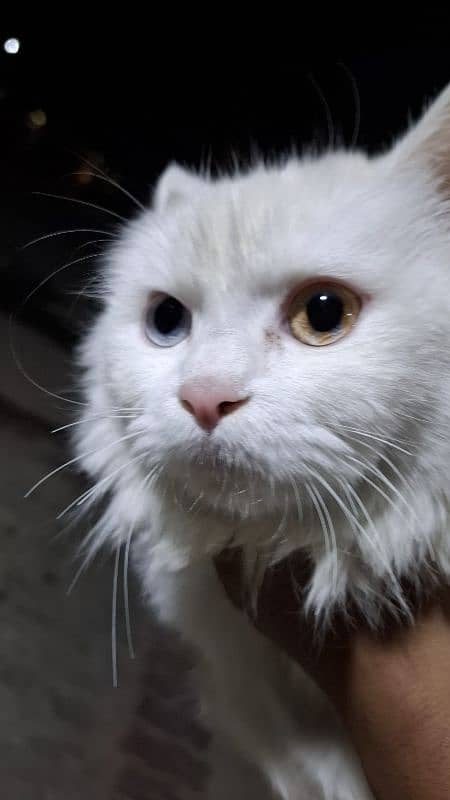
(320,314)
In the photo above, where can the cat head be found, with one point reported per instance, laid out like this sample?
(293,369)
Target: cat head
(275,344)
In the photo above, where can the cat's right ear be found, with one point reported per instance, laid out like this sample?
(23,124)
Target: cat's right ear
(427,143)
(176,185)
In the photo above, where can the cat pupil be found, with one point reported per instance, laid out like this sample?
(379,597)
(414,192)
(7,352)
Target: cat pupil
(324,311)
(168,315)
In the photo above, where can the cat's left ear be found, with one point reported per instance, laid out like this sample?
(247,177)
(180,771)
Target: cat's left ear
(427,143)
(176,185)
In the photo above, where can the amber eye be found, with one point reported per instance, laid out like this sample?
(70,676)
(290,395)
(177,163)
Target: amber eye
(321,314)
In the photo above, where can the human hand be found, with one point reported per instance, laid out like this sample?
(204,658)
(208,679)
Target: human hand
(392,688)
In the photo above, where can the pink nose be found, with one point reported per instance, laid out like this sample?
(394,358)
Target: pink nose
(209,403)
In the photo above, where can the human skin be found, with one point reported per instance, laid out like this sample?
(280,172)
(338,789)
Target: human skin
(391,688)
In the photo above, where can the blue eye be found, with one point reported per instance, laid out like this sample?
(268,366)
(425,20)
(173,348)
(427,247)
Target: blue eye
(167,321)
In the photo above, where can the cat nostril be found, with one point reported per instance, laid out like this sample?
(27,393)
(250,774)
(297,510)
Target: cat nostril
(187,405)
(227,406)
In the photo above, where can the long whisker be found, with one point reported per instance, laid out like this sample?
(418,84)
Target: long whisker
(91,242)
(377,488)
(346,511)
(99,172)
(126,593)
(195,503)
(126,559)
(56,272)
(382,477)
(67,232)
(376,546)
(346,487)
(320,516)
(91,419)
(356,498)
(298,502)
(422,420)
(28,377)
(84,496)
(88,558)
(112,182)
(79,458)
(83,292)
(282,524)
(326,107)
(81,203)
(12,347)
(382,457)
(357,101)
(377,438)
(331,533)
(114,617)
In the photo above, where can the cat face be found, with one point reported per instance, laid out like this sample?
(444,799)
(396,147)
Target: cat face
(280,334)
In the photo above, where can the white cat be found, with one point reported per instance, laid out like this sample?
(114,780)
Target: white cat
(271,368)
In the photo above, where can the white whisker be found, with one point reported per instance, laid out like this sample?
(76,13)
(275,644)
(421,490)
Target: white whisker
(346,489)
(81,203)
(422,420)
(82,498)
(79,458)
(126,593)
(17,361)
(377,438)
(107,179)
(28,377)
(101,174)
(346,511)
(366,465)
(326,107)
(90,243)
(282,524)
(331,534)
(91,419)
(79,573)
(357,101)
(56,272)
(376,546)
(131,650)
(298,502)
(377,488)
(114,617)
(195,502)
(320,516)
(67,232)
(382,457)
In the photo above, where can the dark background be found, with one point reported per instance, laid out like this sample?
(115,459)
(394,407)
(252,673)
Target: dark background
(132,95)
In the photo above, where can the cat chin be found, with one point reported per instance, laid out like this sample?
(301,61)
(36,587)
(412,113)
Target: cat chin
(239,496)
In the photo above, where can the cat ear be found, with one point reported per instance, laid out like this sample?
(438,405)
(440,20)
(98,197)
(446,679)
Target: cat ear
(427,143)
(176,185)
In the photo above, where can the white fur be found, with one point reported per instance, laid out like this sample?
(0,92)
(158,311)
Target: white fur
(341,450)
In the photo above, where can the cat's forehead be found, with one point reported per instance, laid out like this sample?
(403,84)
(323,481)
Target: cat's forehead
(238,227)
(266,201)
(332,215)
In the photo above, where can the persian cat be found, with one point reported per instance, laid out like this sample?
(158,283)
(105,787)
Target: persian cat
(271,369)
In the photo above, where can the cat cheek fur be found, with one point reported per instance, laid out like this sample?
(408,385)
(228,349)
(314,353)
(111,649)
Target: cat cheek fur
(342,450)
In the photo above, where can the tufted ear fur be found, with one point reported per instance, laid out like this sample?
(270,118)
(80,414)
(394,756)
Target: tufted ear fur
(176,185)
(427,143)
